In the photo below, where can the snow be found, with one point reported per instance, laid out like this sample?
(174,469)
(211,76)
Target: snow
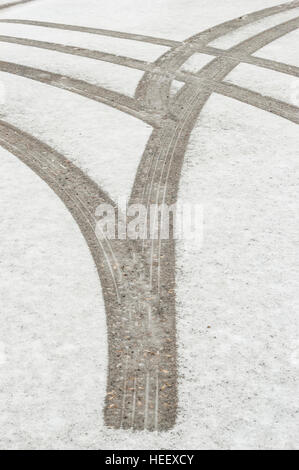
(245,32)
(267,82)
(240,375)
(52,315)
(284,49)
(111,76)
(196,62)
(104,142)
(172,19)
(125,47)
(175,86)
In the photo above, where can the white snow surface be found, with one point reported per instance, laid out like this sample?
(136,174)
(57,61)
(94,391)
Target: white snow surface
(245,32)
(196,62)
(267,82)
(125,47)
(175,86)
(173,19)
(104,142)
(52,316)
(284,49)
(241,374)
(111,76)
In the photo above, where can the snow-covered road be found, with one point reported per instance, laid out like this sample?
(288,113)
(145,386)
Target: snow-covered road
(188,100)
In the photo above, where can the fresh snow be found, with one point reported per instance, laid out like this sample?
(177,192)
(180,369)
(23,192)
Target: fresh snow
(104,142)
(284,49)
(111,76)
(172,19)
(175,86)
(267,82)
(53,344)
(245,32)
(118,46)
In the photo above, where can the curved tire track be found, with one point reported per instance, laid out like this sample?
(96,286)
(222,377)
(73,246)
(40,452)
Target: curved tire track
(139,358)
(253,98)
(258,61)
(155,93)
(280,108)
(208,78)
(102,95)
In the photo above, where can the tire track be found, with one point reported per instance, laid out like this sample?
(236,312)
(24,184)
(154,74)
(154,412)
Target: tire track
(156,94)
(258,61)
(79,51)
(137,64)
(280,108)
(175,137)
(212,74)
(97,31)
(72,186)
(102,95)
(126,293)
(253,98)
(168,145)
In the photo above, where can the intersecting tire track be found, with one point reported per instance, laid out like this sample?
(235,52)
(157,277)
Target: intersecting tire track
(138,279)
(172,150)
(258,61)
(157,179)
(138,64)
(155,92)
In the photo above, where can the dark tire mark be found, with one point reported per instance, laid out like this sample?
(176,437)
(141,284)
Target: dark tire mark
(143,356)
(146,66)
(266,103)
(159,172)
(79,51)
(102,95)
(252,60)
